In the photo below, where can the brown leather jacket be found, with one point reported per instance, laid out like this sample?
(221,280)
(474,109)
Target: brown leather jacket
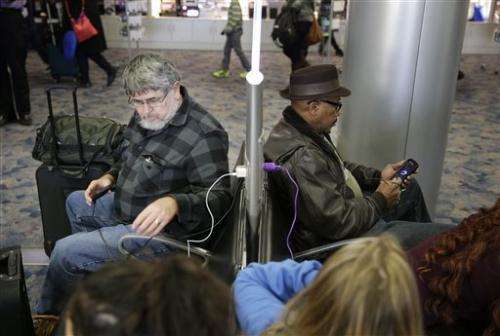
(327,208)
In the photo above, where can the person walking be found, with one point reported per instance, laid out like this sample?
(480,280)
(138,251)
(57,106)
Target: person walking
(291,29)
(296,49)
(94,46)
(233,32)
(14,87)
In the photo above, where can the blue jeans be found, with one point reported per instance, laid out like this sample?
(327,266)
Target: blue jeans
(94,242)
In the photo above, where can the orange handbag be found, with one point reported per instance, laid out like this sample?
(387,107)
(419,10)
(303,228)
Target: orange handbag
(315,34)
(82,26)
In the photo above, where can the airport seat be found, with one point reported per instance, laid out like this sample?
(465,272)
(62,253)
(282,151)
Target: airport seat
(274,224)
(276,219)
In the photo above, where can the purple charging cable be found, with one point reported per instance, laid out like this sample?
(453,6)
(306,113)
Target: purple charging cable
(272,167)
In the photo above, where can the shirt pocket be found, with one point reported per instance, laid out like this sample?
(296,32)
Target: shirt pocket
(159,175)
(152,166)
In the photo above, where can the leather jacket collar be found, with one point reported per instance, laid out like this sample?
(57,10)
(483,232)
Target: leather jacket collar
(322,140)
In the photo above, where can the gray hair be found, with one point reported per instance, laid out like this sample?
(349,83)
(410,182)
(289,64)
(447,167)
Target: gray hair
(149,72)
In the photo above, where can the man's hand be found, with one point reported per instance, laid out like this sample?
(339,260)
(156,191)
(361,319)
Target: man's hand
(390,189)
(391,169)
(98,185)
(156,216)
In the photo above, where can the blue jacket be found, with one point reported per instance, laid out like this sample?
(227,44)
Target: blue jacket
(262,290)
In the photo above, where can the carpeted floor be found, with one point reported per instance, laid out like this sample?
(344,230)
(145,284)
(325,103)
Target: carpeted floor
(470,177)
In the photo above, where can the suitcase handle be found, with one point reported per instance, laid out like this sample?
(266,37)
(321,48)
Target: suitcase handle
(77,120)
(10,258)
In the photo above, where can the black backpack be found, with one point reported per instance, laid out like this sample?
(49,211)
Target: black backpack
(285,26)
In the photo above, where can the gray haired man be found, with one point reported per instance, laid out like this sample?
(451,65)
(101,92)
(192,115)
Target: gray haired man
(176,151)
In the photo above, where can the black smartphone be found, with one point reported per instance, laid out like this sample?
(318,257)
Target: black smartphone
(409,167)
(101,193)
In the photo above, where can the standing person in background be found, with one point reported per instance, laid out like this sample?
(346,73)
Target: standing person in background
(324,18)
(14,91)
(93,47)
(297,49)
(293,25)
(34,38)
(233,32)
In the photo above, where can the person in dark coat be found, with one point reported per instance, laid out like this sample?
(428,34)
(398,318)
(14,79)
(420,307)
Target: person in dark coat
(297,49)
(337,199)
(93,47)
(14,88)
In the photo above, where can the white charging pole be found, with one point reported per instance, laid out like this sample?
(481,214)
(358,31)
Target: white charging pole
(253,149)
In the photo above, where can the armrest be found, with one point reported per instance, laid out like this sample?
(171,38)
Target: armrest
(175,244)
(315,251)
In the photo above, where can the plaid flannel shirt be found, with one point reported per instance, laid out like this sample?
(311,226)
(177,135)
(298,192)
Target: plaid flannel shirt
(181,160)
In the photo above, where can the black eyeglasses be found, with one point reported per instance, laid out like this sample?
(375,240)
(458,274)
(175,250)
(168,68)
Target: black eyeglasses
(336,104)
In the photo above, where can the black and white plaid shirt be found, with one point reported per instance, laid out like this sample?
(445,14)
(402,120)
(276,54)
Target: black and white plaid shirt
(181,160)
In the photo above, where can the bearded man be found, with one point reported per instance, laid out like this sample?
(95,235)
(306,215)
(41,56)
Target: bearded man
(176,150)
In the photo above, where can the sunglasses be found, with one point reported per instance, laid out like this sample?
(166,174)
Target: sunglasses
(336,104)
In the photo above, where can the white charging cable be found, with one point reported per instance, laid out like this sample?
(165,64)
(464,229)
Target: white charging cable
(240,173)
(189,241)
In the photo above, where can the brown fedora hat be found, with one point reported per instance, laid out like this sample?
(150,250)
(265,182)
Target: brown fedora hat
(315,82)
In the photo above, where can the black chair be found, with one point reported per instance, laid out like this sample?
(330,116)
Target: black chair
(275,223)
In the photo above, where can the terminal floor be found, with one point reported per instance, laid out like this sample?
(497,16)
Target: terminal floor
(470,177)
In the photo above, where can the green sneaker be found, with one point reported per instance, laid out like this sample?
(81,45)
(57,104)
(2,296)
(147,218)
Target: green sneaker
(221,73)
(243,74)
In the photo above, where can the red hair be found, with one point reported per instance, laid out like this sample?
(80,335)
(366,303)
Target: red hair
(455,254)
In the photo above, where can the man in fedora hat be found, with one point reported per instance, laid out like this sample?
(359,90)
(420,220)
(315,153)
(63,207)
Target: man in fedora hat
(337,199)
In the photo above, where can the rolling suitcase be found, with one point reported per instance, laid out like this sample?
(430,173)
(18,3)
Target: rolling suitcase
(15,314)
(56,182)
(54,185)
(60,66)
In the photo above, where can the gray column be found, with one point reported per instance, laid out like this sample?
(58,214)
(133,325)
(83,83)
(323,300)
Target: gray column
(401,64)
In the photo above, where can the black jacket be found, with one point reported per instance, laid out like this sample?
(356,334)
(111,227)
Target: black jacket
(97,43)
(327,208)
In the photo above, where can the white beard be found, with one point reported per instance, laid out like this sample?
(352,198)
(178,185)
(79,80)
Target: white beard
(155,125)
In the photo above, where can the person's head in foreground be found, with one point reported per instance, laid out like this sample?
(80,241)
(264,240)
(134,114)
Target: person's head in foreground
(366,288)
(316,93)
(175,296)
(153,87)
(463,267)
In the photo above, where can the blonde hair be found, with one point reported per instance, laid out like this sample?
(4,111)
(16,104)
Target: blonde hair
(366,288)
